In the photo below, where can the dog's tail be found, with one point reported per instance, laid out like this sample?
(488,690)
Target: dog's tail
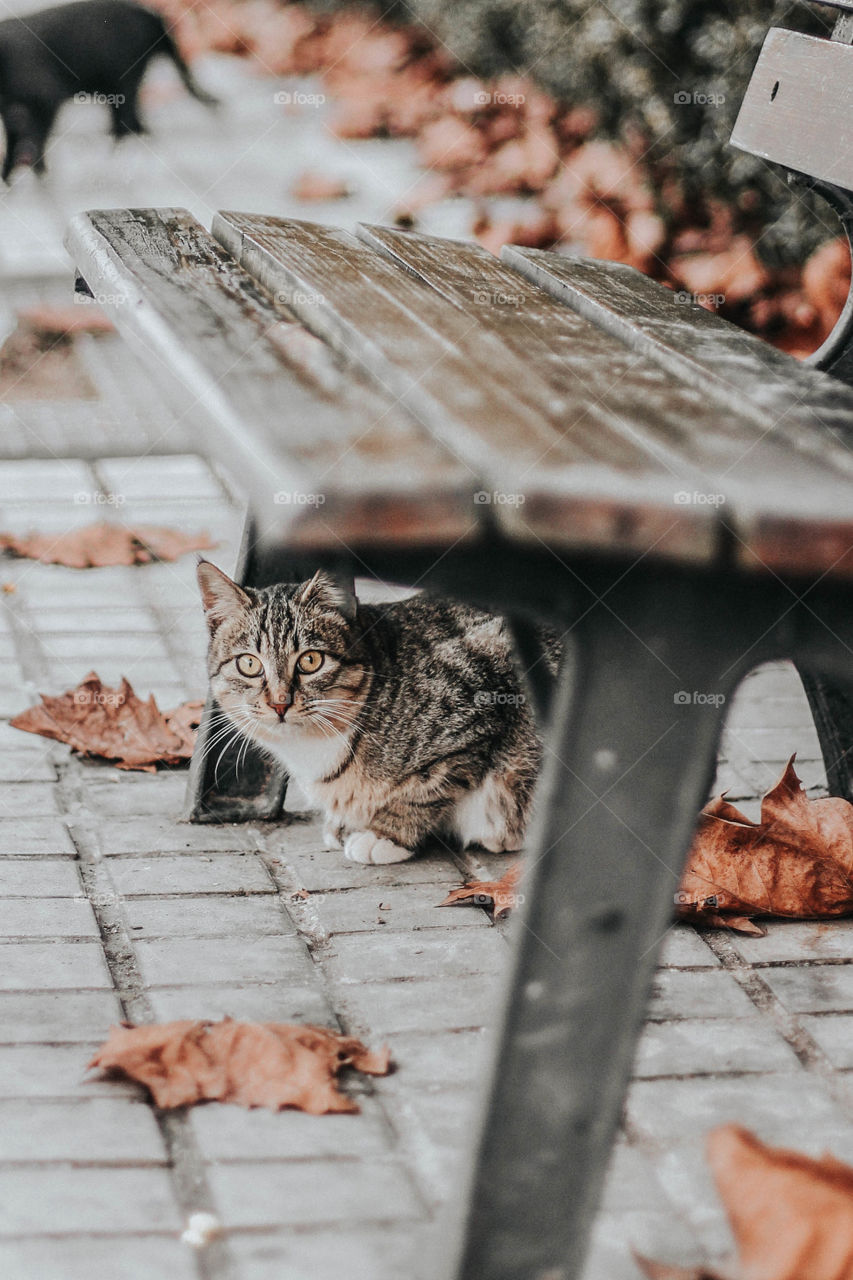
(167,45)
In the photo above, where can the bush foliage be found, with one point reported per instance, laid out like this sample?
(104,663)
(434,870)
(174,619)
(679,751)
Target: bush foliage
(667,76)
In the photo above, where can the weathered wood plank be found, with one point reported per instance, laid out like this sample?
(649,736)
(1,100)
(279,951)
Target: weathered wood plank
(582,478)
(789,497)
(327,458)
(798,108)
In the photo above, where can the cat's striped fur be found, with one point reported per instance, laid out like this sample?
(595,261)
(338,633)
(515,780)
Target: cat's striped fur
(413,724)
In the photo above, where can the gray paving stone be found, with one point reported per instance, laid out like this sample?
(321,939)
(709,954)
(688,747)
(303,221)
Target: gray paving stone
(308,1192)
(27,799)
(123,795)
(447,1120)
(147,676)
(439,1004)
(432,953)
(834,1034)
(191,874)
(210,916)
(100,1130)
(38,878)
(77,620)
(14,698)
(57,1016)
(697,1047)
(655,1234)
(94,648)
(124,1257)
(631,1183)
(150,836)
(100,1200)
(43,966)
(34,838)
(389,1253)
(701,994)
(813,988)
(185,477)
(186,962)
(397,907)
(685,947)
(793,940)
(232,1133)
(319,869)
(285,1001)
(16,743)
(56,1071)
(43,480)
(47,918)
(782,1110)
(435,1061)
(27,767)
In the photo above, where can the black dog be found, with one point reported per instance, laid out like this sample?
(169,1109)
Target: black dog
(99,48)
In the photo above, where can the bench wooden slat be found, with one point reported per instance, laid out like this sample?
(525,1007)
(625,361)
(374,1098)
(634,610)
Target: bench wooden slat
(577,363)
(326,457)
(798,108)
(480,398)
(789,510)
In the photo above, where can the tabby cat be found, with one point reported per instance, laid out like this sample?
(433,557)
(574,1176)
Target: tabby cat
(400,721)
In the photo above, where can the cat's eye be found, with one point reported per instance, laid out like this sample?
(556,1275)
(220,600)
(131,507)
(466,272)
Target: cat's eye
(249,664)
(310,661)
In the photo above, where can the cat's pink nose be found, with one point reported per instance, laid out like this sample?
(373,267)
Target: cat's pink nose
(280,708)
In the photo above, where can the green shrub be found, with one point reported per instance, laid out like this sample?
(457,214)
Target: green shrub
(667,76)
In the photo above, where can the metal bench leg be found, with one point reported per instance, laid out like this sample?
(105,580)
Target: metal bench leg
(233,782)
(630,764)
(832,708)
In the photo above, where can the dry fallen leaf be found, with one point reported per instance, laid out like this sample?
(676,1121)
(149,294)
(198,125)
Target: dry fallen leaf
(98,545)
(503,893)
(319,186)
(82,317)
(115,724)
(797,861)
(791,1216)
(268,1064)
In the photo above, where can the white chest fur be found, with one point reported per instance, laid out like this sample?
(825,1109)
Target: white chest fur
(309,757)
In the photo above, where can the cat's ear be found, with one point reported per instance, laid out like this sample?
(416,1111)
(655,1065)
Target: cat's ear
(221,597)
(326,590)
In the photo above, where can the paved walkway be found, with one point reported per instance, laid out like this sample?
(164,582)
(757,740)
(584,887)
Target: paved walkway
(111,907)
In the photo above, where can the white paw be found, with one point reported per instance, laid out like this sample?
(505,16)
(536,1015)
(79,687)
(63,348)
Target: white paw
(332,837)
(365,846)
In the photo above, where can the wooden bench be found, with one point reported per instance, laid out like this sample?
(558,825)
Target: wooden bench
(554,439)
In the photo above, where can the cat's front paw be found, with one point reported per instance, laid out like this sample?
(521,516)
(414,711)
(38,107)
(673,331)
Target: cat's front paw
(366,846)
